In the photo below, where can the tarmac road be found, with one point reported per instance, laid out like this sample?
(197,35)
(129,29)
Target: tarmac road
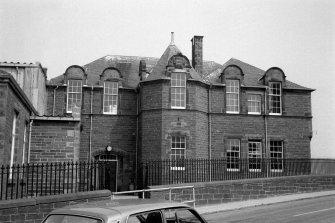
(316,210)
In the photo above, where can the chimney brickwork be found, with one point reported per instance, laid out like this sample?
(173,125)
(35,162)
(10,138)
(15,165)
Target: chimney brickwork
(197,54)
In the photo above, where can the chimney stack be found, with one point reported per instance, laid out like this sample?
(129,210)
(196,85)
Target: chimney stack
(197,62)
(143,70)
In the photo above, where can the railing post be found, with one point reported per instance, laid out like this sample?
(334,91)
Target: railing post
(170,194)
(193,191)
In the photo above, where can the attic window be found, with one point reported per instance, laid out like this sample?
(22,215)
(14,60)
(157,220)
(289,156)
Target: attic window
(275,98)
(73,95)
(232,96)
(178,90)
(110,97)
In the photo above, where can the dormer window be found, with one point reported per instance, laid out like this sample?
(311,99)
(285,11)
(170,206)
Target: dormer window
(74,77)
(275,98)
(73,95)
(178,90)
(232,96)
(110,97)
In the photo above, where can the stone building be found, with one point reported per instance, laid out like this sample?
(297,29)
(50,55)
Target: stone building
(127,109)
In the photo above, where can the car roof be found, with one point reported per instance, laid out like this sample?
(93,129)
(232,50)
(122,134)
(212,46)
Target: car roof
(117,209)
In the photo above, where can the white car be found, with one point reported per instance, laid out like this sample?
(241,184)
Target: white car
(126,211)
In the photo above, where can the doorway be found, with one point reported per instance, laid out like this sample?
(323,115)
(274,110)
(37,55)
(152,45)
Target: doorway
(107,171)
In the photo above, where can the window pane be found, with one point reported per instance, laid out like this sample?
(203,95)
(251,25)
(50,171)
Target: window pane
(254,155)
(151,217)
(185,215)
(254,103)
(233,154)
(275,97)
(62,218)
(178,90)
(110,97)
(276,155)
(178,151)
(73,94)
(232,95)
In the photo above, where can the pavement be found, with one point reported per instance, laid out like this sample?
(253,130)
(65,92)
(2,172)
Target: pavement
(213,208)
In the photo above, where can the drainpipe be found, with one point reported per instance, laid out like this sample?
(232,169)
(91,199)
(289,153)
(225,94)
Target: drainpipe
(266,128)
(210,132)
(54,104)
(91,126)
(136,142)
(30,128)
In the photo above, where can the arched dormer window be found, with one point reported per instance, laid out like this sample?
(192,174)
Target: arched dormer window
(111,78)
(178,66)
(274,78)
(232,76)
(75,76)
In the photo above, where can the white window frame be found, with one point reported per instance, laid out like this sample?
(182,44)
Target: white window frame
(274,94)
(254,153)
(178,151)
(73,94)
(110,99)
(276,155)
(233,144)
(254,104)
(178,90)
(233,96)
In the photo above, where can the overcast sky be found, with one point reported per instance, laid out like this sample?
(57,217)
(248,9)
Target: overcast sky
(295,35)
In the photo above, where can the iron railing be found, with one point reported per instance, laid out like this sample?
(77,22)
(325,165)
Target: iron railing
(164,172)
(32,180)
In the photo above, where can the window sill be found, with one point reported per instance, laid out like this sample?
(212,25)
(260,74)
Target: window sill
(178,107)
(236,113)
(276,171)
(106,113)
(233,170)
(255,170)
(275,114)
(254,113)
(177,168)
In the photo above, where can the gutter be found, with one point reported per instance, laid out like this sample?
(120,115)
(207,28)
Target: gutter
(266,127)
(136,141)
(29,144)
(210,132)
(91,125)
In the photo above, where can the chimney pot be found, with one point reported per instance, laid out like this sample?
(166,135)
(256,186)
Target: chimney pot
(172,39)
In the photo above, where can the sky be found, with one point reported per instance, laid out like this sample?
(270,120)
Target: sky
(296,35)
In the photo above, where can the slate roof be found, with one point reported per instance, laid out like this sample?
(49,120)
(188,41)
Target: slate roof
(158,71)
(129,68)
(252,75)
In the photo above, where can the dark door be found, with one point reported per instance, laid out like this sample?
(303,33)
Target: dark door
(108,167)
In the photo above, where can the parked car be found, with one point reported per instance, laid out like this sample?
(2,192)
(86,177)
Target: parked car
(126,211)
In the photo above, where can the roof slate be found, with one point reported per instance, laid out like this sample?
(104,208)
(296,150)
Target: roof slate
(252,75)
(129,68)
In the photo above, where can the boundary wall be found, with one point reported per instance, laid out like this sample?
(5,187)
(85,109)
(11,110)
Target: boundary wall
(33,210)
(239,190)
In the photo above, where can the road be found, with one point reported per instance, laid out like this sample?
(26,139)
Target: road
(320,210)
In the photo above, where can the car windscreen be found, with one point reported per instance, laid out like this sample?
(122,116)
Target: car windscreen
(64,218)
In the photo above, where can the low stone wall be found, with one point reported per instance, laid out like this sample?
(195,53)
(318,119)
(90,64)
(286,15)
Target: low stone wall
(33,210)
(239,190)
